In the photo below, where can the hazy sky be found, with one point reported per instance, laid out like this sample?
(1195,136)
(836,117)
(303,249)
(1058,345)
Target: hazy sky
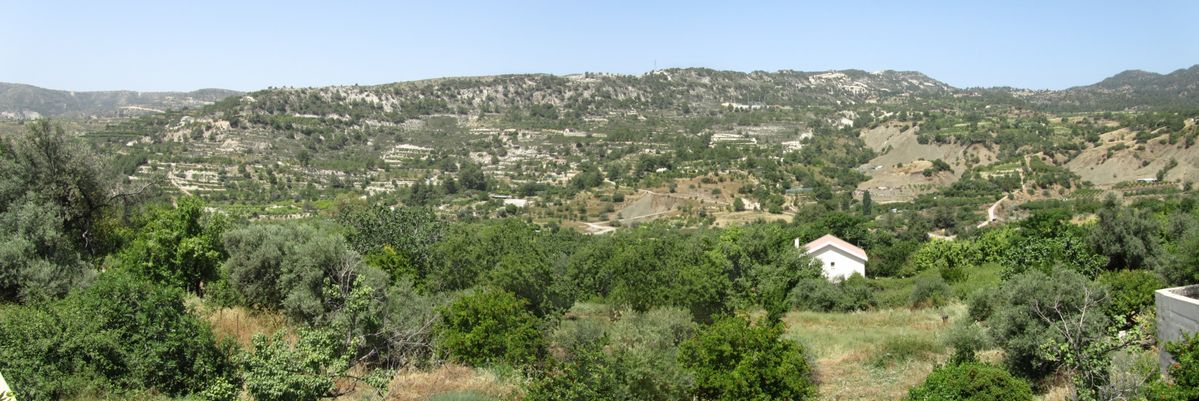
(246,45)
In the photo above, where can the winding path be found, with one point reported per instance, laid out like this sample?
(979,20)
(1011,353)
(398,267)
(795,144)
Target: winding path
(991,212)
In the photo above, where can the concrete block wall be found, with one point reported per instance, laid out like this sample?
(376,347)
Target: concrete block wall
(1177,313)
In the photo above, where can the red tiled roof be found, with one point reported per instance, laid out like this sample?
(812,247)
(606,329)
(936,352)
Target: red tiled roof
(831,240)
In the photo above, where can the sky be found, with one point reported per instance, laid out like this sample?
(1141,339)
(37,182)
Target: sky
(249,45)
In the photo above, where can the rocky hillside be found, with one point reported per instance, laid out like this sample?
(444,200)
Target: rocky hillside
(675,90)
(18,101)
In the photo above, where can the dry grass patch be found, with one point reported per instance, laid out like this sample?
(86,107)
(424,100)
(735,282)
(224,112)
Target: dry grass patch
(241,324)
(846,348)
(419,385)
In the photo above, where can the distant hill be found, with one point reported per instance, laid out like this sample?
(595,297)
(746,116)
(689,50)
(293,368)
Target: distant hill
(1129,90)
(27,101)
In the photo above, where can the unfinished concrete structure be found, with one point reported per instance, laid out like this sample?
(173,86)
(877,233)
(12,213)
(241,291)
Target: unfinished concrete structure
(1177,313)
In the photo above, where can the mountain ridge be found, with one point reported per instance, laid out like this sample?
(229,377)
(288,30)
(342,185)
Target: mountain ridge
(1127,90)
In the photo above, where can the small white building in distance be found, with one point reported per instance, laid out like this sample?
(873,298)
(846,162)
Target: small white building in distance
(840,259)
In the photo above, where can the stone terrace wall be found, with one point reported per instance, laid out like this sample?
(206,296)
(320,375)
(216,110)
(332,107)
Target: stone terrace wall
(1177,313)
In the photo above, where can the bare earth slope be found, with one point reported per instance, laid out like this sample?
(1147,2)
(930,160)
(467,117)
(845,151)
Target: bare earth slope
(1133,162)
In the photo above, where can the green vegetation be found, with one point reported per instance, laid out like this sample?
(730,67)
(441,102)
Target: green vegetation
(971,381)
(489,327)
(441,224)
(734,360)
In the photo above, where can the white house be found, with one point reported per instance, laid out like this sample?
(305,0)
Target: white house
(840,259)
(5,392)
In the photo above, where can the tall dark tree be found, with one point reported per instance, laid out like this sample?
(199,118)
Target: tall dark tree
(471,177)
(867,203)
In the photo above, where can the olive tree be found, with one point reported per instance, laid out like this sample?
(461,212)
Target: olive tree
(52,196)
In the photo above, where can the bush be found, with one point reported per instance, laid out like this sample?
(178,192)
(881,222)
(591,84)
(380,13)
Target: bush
(285,267)
(121,334)
(971,381)
(586,376)
(982,304)
(734,360)
(646,354)
(929,290)
(53,196)
(1131,292)
(634,358)
(1184,372)
(487,327)
(1035,308)
(967,339)
(820,295)
(902,349)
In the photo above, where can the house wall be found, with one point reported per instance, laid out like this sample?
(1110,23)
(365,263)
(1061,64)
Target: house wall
(1177,313)
(838,264)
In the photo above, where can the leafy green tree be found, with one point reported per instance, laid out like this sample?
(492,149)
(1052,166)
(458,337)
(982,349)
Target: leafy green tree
(971,382)
(1181,267)
(1131,293)
(773,282)
(530,276)
(734,360)
(489,327)
(180,247)
(1047,239)
(403,238)
(951,259)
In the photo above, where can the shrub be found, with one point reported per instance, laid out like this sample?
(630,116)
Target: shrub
(1131,292)
(646,354)
(902,349)
(982,304)
(641,351)
(121,334)
(929,290)
(971,381)
(967,339)
(820,295)
(285,267)
(1184,372)
(734,360)
(1035,314)
(587,375)
(276,371)
(489,326)
(53,196)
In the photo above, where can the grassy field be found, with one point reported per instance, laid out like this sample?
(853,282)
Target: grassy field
(874,355)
